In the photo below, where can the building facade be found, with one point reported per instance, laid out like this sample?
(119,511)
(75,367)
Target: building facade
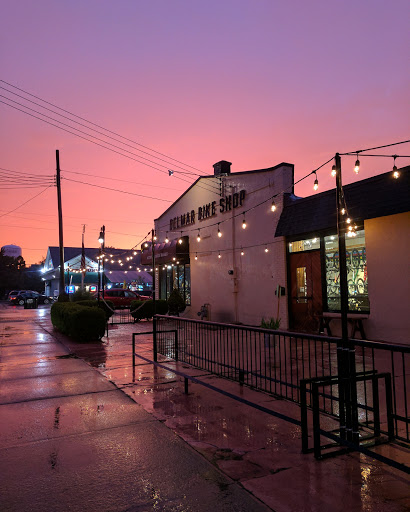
(233,257)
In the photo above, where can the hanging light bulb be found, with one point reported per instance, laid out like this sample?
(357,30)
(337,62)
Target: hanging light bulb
(166,238)
(273,206)
(219,255)
(343,211)
(155,238)
(333,173)
(316,183)
(242,252)
(357,164)
(243,222)
(266,249)
(198,238)
(180,239)
(348,220)
(135,253)
(219,232)
(396,173)
(146,244)
(196,256)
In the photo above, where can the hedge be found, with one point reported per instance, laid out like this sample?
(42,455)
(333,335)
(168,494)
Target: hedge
(107,306)
(81,322)
(147,309)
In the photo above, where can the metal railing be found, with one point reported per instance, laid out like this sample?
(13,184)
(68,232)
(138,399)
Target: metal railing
(277,361)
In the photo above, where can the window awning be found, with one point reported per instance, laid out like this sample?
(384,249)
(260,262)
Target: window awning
(165,252)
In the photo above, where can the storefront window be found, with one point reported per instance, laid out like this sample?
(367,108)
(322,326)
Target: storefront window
(178,277)
(301,284)
(356,273)
(305,245)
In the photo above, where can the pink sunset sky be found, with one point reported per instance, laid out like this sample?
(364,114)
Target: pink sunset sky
(253,82)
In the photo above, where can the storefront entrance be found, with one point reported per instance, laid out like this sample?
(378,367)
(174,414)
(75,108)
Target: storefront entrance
(306,291)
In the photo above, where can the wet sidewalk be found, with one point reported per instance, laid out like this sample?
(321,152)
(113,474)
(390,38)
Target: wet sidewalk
(259,452)
(70,440)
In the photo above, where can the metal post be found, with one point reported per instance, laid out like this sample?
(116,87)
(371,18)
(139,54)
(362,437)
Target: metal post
(153,271)
(103,250)
(154,338)
(60,224)
(98,277)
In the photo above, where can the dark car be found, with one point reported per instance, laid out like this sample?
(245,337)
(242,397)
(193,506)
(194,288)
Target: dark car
(21,298)
(122,298)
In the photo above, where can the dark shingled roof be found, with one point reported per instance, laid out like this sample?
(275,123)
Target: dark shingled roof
(367,199)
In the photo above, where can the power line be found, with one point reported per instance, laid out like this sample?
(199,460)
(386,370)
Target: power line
(117,190)
(377,147)
(94,124)
(85,138)
(11,211)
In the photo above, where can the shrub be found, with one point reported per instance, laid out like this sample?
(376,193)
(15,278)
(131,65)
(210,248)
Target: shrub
(273,323)
(145,308)
(63,297)
(107,306)
(80,295)
(81,322)
(176,303)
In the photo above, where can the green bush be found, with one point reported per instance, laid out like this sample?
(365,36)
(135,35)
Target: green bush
(107,306)
(63,297)
(80,295)
(147,308)
(81,322)
(272,323)
(176,303)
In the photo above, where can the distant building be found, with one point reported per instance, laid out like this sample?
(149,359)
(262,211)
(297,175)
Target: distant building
(127,272)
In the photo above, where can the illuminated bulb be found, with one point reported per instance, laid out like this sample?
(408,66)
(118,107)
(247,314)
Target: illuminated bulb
(121,264)
(177,262)
(173,259)
(219,232)
(396,174)
(180,239)
(333,173)
(244,222)
(266,249)
(348,220)
(130,266)
(198,238)
(119,261)
(315,184)
(110,255)
(196,256)
(273,206)
(155,238)
(343,211)
(146,244)
(357,165)
(242,252)
(166,238)
(135,253)
(112,261)
(219,255)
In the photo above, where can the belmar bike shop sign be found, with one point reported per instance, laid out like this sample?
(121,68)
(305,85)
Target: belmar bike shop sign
(208,210)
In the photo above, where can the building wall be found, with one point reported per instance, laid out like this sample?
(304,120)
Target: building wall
(247,295)
(388,249)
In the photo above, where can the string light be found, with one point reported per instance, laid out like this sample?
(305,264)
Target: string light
(146,244)
(242,251)
(357,164)
(343,211)
(396,173)
(166,237)
(316,183)
(273,206)
(196,256)
(243,222)
(198,238)
(180,239)
(219,232)
(333,173)
(266,249)
(155,238)
(219,255)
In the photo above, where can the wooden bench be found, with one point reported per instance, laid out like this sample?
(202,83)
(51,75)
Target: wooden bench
(356,321)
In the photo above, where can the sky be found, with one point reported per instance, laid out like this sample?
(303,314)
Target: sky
(255,82)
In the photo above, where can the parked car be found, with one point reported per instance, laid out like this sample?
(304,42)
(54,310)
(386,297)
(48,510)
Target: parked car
(13,293)
(21,297)
(121,298)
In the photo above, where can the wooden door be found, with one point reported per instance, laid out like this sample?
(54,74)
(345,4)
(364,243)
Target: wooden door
(306,291)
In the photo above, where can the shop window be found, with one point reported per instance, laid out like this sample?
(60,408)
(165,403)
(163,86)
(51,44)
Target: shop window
(356,273)
(178,277)
(305,245)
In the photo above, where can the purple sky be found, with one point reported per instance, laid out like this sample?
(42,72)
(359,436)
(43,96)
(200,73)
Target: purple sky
(253,82)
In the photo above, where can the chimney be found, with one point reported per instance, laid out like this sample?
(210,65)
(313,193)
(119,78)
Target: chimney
(222,168)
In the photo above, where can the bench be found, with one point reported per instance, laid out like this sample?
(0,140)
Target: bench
(356,321)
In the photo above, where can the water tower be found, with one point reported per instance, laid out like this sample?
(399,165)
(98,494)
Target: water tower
(14,251)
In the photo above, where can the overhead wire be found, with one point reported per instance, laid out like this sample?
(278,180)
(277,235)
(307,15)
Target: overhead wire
(87,139)
(94,124)
(25,202)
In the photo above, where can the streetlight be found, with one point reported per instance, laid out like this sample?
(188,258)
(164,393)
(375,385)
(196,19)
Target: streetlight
(101,240)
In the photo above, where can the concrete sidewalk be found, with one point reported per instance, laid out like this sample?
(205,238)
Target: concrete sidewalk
(258,451)
(70,440)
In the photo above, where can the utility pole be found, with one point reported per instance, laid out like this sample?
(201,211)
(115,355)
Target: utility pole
(82,260)
(153,269)
(60,224)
